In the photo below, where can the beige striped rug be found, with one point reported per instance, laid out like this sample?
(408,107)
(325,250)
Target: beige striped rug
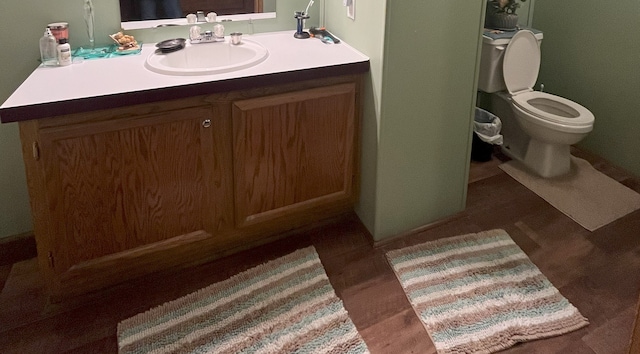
(479,293)
(283,306)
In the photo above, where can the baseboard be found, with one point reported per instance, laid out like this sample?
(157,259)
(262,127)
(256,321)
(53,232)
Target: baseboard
(17,248)
(439,222)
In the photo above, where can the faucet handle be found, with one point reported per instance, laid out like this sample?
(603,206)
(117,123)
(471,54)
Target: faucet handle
(218,30)
(195,32)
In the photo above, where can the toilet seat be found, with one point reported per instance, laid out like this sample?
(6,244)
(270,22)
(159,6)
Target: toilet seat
(520,69)
(553,108)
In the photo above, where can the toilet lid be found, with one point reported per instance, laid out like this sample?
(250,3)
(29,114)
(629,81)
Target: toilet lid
(521,62)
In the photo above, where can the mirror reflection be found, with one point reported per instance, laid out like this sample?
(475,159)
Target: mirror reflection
(135,10)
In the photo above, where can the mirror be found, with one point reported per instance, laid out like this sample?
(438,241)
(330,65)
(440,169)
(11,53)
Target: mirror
(137,10)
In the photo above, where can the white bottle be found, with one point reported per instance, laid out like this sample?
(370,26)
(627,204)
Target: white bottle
(48,51)
(64,52)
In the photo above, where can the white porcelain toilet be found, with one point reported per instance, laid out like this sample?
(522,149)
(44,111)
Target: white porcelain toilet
(538,128)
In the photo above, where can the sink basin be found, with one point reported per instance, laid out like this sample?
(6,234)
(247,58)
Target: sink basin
(208,58)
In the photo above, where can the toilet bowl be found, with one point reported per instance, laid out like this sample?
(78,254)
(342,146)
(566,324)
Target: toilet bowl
(539,112)
(550,123)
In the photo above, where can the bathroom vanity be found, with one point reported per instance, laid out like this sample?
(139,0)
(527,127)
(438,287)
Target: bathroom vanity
(139,173)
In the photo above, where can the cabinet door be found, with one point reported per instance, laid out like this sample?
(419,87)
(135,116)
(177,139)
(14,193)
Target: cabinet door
(129,184)
(293,152)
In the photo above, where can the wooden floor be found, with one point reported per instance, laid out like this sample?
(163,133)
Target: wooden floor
(597,271)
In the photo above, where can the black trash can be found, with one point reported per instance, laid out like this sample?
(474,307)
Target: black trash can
(486,133)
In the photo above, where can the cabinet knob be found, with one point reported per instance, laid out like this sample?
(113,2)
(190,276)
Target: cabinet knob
(206,123)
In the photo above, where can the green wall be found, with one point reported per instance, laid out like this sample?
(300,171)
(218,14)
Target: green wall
(15,217)
(23,23)
(591,55)
(366,34)
(416,157)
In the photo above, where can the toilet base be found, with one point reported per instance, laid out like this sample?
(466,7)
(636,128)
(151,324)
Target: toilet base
(548,160)
(543,158)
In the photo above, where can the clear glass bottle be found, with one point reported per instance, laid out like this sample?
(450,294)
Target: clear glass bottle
(48,49)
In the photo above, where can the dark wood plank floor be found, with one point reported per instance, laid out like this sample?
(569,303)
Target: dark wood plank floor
(597,271)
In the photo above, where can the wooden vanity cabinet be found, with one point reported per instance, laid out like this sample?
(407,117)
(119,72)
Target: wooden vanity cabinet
(115,197)
(119,193)
(293,152)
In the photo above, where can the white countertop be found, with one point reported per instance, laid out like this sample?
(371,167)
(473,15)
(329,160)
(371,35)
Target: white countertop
(124,74)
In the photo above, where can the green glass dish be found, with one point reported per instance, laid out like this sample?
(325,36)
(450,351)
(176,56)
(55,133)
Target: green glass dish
(105,52)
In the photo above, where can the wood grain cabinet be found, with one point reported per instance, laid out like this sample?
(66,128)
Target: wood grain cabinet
(119,193)
(293,152)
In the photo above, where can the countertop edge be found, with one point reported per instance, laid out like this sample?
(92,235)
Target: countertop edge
(37,111)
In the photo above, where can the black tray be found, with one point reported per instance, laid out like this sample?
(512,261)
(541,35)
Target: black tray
(171,45)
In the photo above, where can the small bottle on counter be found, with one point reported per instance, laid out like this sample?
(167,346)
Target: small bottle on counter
(48,51)
(64,52)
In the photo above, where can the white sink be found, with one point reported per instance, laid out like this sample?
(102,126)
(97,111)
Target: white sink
(208,58)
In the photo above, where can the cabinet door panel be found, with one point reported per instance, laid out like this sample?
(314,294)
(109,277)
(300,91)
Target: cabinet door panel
(118,185)
(293,152)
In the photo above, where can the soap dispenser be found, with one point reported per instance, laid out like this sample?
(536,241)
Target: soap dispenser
(48,49)
(64,52)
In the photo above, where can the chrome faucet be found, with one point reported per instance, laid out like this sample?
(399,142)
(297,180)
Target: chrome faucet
(196,36)
(200,17)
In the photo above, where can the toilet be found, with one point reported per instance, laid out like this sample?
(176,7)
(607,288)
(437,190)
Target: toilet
(538,127)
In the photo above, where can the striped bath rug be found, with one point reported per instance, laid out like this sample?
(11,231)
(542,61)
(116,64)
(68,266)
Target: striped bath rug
(480,293)
(284,306)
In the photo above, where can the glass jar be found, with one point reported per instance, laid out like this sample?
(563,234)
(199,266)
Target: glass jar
(59,30)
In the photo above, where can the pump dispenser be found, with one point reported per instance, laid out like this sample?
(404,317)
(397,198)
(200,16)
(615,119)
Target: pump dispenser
(48,51)
(64,52)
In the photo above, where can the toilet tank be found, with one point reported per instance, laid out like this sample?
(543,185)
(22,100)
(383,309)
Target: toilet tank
(494,43)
